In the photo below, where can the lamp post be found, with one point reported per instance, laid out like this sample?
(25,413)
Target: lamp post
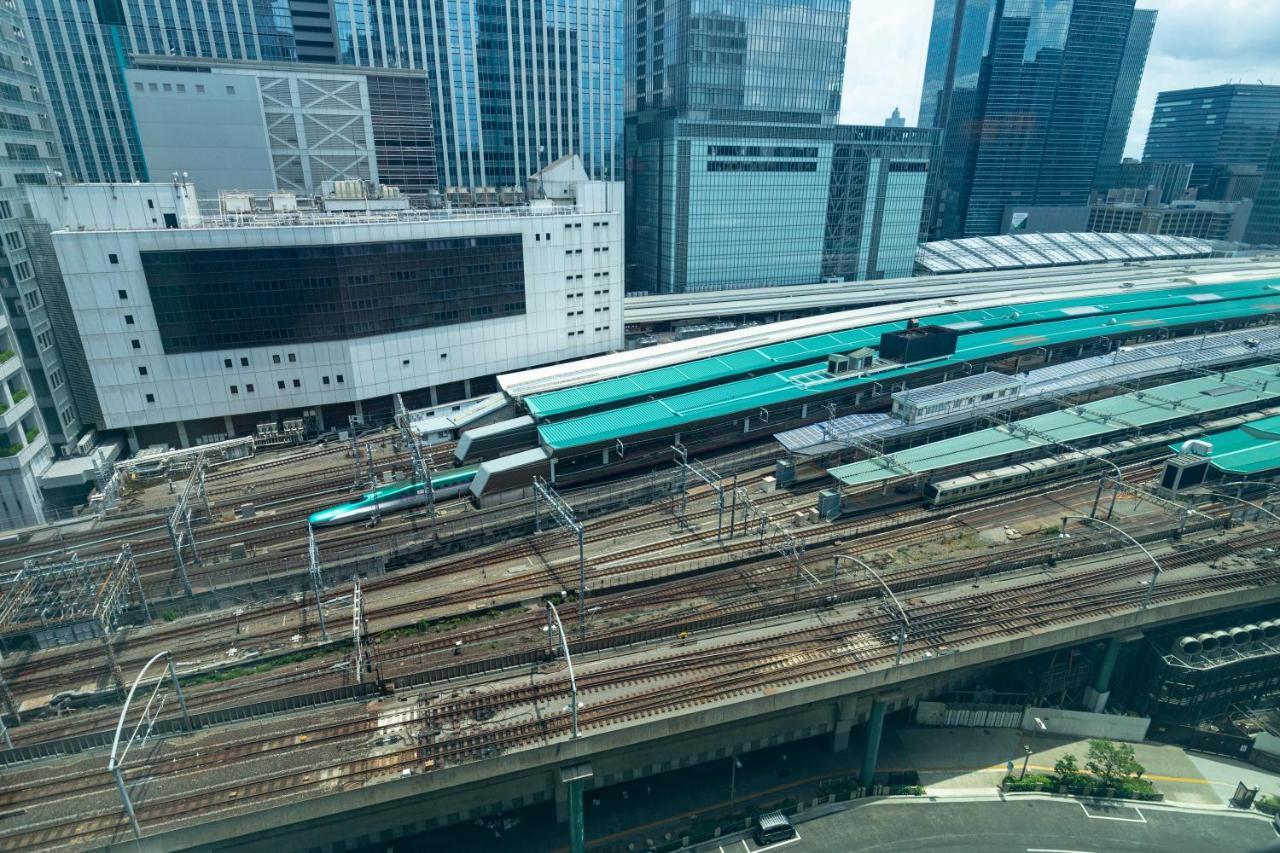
(904,621)
(1026,759)
(1155,564)
(577,824)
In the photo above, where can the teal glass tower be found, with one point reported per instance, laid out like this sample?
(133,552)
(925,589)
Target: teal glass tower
(1024,90)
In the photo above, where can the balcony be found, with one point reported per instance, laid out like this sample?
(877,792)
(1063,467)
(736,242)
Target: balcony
(11,416)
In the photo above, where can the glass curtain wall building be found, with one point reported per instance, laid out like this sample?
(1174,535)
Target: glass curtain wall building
(1264,222)
(516,85)
(731,114)
(1024,90)
(1132,64)
(879,189)
(1214,127)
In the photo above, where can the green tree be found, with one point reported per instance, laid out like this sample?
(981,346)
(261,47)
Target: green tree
(1068,771)
(1113,763)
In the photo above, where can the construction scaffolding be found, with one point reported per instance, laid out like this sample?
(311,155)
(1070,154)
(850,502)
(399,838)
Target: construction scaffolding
(56,602)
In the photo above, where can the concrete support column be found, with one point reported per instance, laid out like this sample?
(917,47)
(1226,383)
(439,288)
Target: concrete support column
(359,408)
(228,427)
(183,441)
(435,401)
(871,750)
(131,435)
(320,418)
(1097,694)
(846,716)
(466,388)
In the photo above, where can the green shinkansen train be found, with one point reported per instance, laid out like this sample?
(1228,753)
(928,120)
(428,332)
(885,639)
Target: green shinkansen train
(394,497)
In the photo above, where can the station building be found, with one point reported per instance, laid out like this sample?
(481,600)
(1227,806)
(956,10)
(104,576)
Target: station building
(629,410)
(194,326)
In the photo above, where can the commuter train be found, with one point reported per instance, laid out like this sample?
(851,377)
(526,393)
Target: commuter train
(395,497)
(966,487)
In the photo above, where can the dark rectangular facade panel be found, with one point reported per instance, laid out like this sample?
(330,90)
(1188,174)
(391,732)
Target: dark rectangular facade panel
(209,299)
(403,136)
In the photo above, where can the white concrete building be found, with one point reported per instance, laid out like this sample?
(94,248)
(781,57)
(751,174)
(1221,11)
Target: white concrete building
(194,327)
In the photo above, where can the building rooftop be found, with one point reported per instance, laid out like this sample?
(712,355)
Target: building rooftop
(1017,251)
(1247,450)
(796,383)
(1125,364)
(1085,424)
(784,353)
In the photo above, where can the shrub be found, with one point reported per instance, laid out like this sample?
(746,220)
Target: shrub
(1268,804)
(1113,763)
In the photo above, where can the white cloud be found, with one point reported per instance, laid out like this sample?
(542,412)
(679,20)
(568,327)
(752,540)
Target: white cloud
(1196,43)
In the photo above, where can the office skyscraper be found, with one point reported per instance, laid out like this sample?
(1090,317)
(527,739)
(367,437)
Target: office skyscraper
(1132,64)
(1264,223)
(730,119)
(514,86)
(1023,89)
(1218,128)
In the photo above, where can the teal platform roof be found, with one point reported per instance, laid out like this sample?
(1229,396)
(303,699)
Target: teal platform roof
(775,356)
(1251,449)
(1086,424)
(785,386)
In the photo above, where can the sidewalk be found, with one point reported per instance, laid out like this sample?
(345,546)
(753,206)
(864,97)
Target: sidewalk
(954,765)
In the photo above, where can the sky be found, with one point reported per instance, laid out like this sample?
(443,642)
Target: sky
(1196,43)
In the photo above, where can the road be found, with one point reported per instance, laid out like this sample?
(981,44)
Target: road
(1023,826)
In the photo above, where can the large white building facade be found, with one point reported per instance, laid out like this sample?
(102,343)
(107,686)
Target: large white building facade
(194,327)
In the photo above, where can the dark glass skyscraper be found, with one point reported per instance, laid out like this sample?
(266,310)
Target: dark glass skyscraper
(1024,90)
(1214,127)
(1131,66)
(515,85)
(731,109)
(1264,222)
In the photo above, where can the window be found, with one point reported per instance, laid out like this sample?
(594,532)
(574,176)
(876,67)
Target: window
(168,87)
(45,339)
(275,358)
(235,389)
(151,398)
(142,371)
(13,240)
(280,384)
(128,319)
(221,299)
(55,378)
(231,90)
(113,258)
(292,358)
(200,88)
(151,204)
(135,343)
(123,294)
(249,387)
(338,378)
(226,362)
(324,380)
(297,383)
(244,362)
(22,270)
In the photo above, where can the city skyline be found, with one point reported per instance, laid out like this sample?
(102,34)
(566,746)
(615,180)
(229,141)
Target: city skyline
(1196,43)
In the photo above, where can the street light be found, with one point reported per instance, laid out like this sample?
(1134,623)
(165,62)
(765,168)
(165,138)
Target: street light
(905,623)
(1085,519)
(1026,759)
(577,823)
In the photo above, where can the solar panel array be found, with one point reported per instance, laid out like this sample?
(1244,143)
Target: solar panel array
(1019,251)
(1119,366)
